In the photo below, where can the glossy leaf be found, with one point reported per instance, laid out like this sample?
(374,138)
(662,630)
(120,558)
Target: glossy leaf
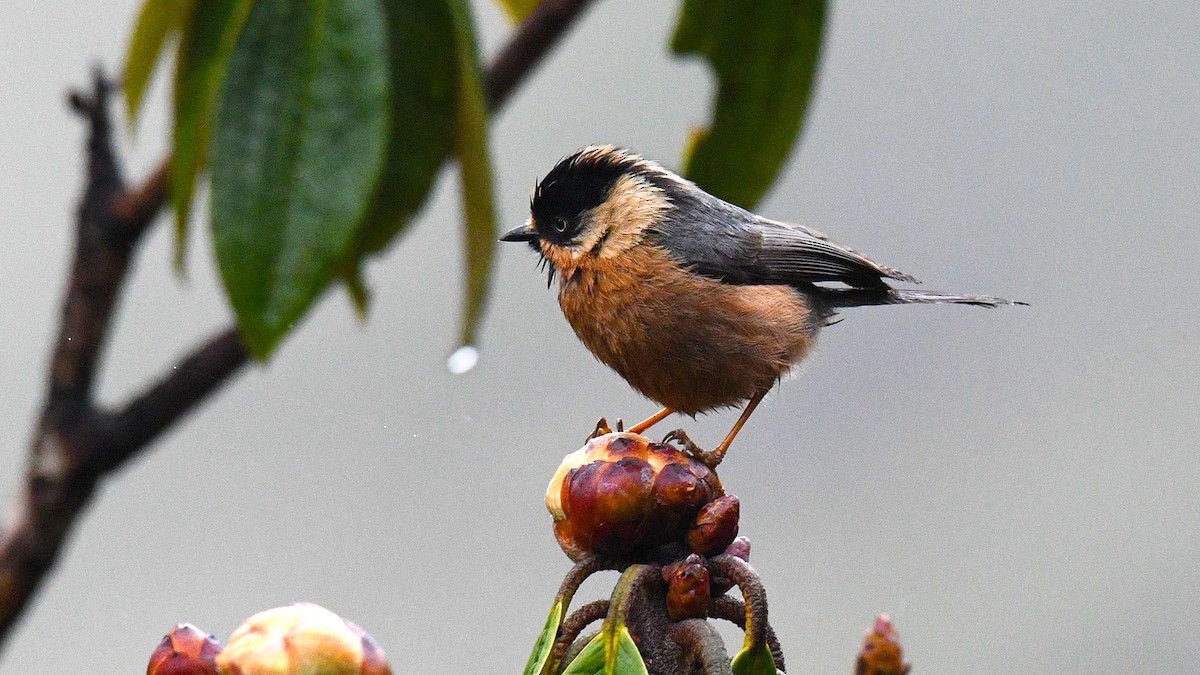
(545,640)
(754,660)
(156,22)
(765,56)
(519,9)
(208,36)
(296,153)
(424,82)
(612,652)
(475,169)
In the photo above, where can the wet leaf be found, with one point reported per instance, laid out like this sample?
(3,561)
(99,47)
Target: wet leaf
(612,652)
(156,22)
(209,34)
(545,640)
(424,82)
(754,660)
(296,154)
(765,56)
(471,148)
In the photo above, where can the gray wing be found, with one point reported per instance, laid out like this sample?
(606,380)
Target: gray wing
(723,241)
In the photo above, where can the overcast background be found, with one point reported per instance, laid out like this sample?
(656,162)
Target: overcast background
(1018,488)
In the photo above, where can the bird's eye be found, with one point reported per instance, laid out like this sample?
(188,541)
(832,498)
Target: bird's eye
(560,225)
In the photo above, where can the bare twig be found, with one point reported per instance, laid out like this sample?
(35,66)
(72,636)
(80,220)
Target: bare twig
(76,444)
(535,36)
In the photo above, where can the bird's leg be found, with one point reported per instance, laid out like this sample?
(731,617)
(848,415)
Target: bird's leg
(650,421)
(718,452)
(713,458)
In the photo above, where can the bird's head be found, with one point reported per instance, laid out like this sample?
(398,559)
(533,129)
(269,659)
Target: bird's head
(594,204)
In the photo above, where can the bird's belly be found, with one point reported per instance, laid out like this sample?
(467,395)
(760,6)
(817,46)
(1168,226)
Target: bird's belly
(691,343)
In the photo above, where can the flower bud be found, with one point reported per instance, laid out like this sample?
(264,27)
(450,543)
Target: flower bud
(621,495)
(299,639)
(881,653)
(716,526)
(688,595)
(186,650)
(739,548)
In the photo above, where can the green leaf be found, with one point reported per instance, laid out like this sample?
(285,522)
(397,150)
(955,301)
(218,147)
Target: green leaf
(296,153)
(754,660)
(156,22)
(519,9)
(208,37)
(545,640)
(470,145)
(765,56)
(612,652)
(424,75)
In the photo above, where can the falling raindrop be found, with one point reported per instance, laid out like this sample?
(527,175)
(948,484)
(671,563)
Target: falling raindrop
(463,359)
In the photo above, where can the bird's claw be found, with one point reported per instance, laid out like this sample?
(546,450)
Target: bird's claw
(679,436)
(601,429)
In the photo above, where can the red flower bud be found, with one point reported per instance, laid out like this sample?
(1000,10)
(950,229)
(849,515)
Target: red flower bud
(622,495)
(881,653)
(299,639)
(716,526)
(688,595)
(740,548)
(186,650)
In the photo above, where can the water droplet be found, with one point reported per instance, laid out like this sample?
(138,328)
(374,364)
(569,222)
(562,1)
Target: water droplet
(463,359)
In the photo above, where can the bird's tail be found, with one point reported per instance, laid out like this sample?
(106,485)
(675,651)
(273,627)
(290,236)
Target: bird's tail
(859,297)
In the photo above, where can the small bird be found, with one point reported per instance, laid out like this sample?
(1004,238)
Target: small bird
(697,303)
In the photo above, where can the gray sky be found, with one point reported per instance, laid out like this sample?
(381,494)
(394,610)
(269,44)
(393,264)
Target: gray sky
(1017,488)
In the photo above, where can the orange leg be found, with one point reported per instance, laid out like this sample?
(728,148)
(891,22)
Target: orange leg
(718,452)
(713,458)
(650,421)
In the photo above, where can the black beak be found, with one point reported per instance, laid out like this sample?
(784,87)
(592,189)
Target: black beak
(523,233)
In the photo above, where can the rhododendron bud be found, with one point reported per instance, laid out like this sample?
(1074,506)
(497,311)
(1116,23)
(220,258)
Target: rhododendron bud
(622,495)
(715,527)
(739,548)
(298,640)
(881,653)
(688,595)
(186,650)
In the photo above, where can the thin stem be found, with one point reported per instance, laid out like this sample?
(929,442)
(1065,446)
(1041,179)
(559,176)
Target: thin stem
(734,611)
(574,625)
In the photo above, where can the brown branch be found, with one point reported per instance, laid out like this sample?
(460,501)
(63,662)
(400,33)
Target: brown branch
(536,35)
(75,444)
(191,381)
(62,471)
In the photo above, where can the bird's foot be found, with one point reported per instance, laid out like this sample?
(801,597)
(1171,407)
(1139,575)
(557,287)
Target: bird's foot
(601,429)
(707,457)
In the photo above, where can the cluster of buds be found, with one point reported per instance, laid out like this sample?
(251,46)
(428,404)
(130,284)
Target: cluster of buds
(293,640)
(624,496)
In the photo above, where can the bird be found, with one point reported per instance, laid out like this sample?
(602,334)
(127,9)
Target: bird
(697,303)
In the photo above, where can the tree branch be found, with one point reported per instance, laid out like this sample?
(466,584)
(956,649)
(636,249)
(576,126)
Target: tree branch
(75,444)
(536,35)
